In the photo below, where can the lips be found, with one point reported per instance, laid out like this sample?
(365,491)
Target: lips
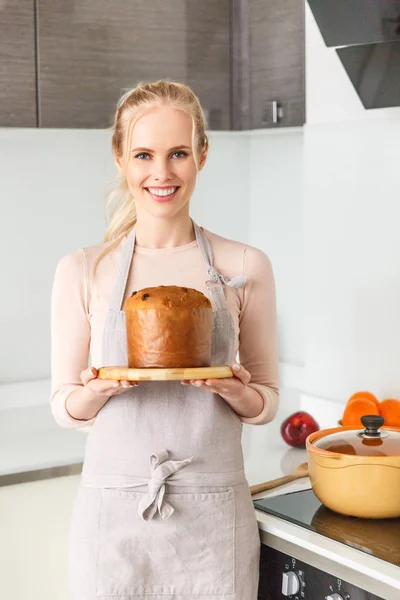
(164,198)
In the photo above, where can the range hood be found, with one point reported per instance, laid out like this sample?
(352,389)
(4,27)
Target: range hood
(366,36)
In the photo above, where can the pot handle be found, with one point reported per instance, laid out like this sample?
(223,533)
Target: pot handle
(372,423)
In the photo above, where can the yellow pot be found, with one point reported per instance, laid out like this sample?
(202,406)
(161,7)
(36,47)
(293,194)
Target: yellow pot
(356,472)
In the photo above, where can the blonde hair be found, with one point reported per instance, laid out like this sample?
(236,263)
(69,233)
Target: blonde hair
(120,206)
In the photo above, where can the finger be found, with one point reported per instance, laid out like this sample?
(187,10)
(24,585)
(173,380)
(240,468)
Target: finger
(220,386)
(241,373)
(122,386)
(199,382)
(88,374)
(127,384)
(109,386)
(104,386)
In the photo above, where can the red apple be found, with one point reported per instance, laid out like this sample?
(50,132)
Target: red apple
(297,427)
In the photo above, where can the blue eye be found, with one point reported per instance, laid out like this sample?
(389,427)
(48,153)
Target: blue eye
(146,155)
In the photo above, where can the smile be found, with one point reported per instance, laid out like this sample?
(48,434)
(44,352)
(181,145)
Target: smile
(162,194)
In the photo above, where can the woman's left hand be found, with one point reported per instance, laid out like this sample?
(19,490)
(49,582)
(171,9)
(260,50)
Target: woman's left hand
(243,399)
(231,389)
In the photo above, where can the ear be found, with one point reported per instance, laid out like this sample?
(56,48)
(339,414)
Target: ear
(117,162)
(202,159)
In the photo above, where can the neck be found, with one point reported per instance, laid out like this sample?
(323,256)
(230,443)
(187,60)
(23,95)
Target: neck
(152,232)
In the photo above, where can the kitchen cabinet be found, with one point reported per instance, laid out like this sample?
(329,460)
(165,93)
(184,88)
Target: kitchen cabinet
(268,63)
(90,52)
(17,64)
(65,64)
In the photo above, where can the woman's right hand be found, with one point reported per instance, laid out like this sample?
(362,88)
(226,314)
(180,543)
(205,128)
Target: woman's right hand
(104,388)
(85,402)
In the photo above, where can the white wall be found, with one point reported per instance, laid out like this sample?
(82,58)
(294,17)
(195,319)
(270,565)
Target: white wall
(330,95)
(276,226)
(53,184)
(352,258)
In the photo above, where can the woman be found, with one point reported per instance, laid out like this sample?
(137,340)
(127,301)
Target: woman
(164,507)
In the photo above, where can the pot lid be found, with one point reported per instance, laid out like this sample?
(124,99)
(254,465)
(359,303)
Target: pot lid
(370,441)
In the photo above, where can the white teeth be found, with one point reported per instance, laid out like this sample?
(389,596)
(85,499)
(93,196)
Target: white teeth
(158,192)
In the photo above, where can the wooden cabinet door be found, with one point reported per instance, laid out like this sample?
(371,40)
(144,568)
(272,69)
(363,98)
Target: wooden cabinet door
(277,63)
(268,63)
(17,64)
(91,51)
(208,58)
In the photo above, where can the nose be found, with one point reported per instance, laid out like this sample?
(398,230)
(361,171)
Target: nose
(162,170)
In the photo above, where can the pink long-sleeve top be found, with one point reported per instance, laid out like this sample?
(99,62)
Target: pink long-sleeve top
(79,305)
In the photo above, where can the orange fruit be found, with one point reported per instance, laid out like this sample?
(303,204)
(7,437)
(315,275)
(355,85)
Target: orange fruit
(390,411)
(364,395)
(356,409)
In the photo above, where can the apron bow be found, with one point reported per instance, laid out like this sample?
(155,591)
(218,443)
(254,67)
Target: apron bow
(161,468)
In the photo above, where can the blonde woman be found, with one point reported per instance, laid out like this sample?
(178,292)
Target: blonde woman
(163,509)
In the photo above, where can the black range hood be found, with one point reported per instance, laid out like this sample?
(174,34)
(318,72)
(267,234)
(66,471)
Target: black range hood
(366,35)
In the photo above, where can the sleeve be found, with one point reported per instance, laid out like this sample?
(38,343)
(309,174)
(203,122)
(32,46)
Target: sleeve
(258,345)
(70,335)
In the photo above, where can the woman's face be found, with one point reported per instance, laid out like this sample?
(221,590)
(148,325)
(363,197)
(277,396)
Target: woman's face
(161,171)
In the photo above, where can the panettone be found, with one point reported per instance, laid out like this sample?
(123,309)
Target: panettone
(168,327)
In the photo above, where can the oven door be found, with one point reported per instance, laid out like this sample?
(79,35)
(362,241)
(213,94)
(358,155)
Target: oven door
(291,571)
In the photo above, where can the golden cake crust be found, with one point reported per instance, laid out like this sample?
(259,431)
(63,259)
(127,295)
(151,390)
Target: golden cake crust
(168,327)
(170,296)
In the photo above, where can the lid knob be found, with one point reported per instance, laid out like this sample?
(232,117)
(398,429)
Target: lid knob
(372,423)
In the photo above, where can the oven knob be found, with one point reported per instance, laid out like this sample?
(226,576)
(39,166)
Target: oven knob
(290,583)
(334,597)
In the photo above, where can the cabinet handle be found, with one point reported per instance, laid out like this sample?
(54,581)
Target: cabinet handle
(273,112)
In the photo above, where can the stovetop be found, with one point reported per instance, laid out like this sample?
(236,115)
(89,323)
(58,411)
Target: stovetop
(377,537)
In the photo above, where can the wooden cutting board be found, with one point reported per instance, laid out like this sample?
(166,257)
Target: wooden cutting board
(125,373)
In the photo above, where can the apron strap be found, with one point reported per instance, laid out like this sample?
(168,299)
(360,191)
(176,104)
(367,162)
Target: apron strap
(207,254)
(121,279)
(216,281)
(204,246)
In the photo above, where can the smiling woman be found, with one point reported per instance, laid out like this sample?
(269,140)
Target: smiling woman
(164,507)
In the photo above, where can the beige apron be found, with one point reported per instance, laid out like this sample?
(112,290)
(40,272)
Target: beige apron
(164,510)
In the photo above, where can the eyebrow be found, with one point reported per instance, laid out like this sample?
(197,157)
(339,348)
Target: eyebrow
(170,150)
